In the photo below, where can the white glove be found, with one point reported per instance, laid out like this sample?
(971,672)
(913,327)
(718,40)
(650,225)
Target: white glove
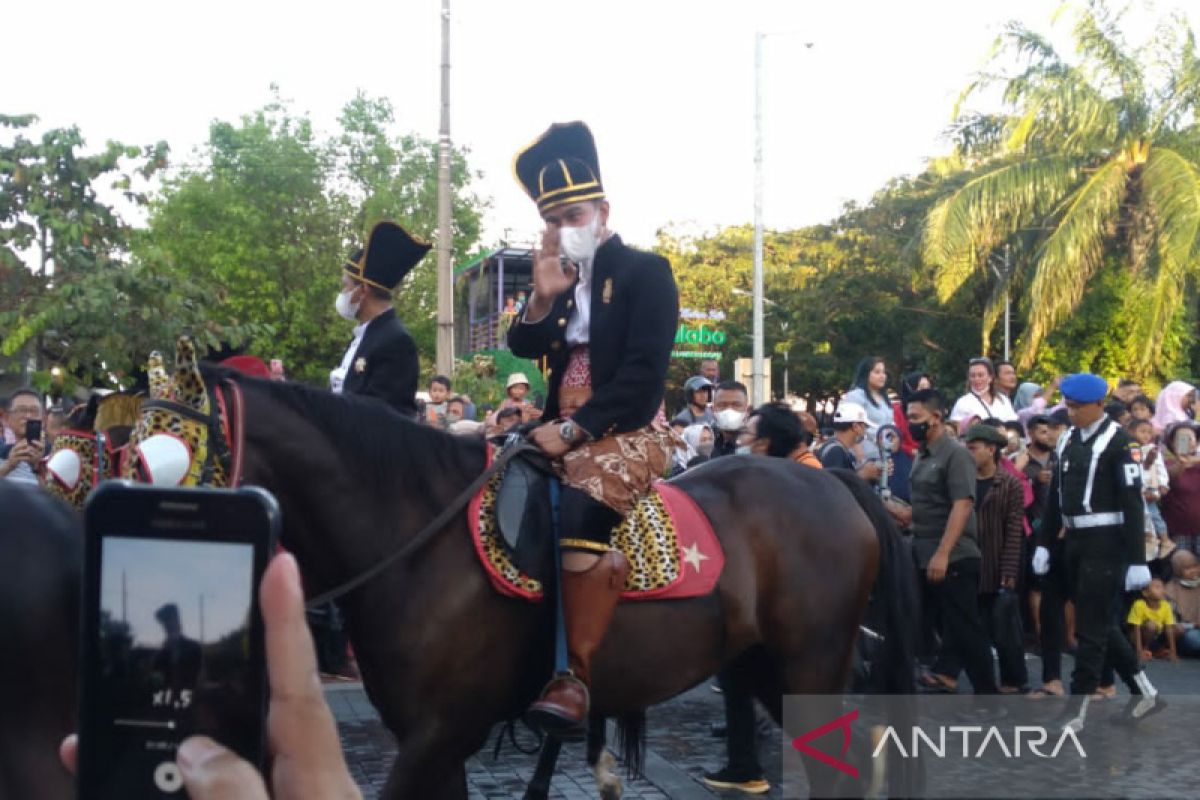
(1137,578)
(1041,561)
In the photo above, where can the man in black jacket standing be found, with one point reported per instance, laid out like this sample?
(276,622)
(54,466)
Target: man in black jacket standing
(605,322)
(382,358)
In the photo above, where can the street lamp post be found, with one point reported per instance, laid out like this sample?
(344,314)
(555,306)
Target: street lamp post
(1006,265)
(445,283)
(758,373)
(757,363)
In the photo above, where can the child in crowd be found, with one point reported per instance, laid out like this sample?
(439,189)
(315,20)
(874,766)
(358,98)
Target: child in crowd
(1156,482)
(439,393)
(1141,407)
(1152,623)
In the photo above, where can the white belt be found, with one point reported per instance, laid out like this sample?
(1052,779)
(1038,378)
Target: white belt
(1095,520)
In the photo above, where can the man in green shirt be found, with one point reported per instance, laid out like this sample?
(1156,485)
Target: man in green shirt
(944,539)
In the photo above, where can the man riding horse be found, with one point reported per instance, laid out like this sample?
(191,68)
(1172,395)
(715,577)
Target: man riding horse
(605,323)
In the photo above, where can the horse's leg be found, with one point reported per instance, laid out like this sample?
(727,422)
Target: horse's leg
(431,766)
(600,759)
(539,784)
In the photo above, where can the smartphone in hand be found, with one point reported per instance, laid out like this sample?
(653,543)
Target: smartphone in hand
(33,430)
(172,635)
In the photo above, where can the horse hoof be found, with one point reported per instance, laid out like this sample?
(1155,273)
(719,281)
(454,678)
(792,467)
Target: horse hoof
(607,779)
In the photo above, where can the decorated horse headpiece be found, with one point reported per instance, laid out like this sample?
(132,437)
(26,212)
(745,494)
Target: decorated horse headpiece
(184,434)
(89,448)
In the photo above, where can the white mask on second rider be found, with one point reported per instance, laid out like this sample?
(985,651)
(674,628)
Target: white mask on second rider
(345,308)
(579,244)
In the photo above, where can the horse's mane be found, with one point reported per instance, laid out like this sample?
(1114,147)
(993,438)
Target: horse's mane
(373,439)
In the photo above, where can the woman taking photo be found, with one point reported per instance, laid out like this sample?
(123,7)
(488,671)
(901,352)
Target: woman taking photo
(982,400)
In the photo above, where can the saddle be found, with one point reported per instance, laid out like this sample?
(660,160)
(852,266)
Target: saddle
(523,512)
(668,541)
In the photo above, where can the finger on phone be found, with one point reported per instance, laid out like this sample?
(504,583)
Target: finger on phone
(210,771)
(68,753)
(300,725)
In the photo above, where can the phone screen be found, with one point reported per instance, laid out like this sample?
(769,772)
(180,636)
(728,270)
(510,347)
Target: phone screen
(33,430)
(173,649)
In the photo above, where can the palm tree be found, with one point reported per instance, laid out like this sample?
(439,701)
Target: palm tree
(1094,164)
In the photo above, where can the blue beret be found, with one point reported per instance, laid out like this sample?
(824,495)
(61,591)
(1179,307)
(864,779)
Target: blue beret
(1084,388)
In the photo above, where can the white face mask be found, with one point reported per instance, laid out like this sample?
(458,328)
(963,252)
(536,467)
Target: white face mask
(345,308)
(704,449)
(745,450)
(731,419)
(579,244)
(1189,584)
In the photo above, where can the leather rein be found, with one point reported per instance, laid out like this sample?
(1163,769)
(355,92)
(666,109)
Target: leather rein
(423,536)
(221,431)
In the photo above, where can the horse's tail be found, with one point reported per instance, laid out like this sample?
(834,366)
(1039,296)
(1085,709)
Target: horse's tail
(631,740)
(895,595)
(896,613)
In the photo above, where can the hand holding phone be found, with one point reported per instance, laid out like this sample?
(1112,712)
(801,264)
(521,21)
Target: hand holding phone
(308,756)
(172,634)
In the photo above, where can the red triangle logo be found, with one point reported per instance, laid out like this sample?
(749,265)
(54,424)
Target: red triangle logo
(800,743)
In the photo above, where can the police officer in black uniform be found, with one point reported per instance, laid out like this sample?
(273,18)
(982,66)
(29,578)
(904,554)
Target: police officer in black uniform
(1095,500)
(381,360)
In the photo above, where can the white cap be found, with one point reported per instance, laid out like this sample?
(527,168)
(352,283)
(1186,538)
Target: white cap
(515,379)
(850,412)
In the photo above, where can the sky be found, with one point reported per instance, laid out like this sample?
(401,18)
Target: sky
(159,571)
(667,86)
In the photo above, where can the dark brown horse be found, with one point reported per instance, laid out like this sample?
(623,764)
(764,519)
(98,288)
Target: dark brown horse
(444,657)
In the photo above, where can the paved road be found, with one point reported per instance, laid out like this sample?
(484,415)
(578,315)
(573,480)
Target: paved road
(680,747)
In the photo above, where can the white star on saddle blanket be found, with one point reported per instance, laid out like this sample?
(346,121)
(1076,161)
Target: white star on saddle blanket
(693,556)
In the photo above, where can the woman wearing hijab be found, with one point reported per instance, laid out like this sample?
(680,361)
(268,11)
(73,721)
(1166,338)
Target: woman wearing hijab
(699,446)
(1174,405)
(1181,506)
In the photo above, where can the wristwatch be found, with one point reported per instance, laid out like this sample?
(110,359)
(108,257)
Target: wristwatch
(569,432)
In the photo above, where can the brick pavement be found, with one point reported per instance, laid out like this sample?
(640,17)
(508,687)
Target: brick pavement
(680,747)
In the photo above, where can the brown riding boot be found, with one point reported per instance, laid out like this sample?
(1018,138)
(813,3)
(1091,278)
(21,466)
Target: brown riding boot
(589,600)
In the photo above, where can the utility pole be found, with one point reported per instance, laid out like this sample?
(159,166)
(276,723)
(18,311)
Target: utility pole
(445,284)
(124,598)
(1007,302)
(757,363)
(201,640)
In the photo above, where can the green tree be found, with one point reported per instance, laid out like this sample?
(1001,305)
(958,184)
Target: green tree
(1092,166)
(269,211)
(72,296)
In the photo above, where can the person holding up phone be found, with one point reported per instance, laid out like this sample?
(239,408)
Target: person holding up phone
(22,461)
(302,735)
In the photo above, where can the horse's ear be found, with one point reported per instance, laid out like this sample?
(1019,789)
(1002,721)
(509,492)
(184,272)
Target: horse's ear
(189,386)
(157,372)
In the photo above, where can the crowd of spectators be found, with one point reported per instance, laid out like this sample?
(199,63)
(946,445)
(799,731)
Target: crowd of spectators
(1009,427)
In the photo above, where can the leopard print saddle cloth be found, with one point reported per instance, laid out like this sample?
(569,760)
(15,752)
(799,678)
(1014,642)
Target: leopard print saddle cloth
(672,550)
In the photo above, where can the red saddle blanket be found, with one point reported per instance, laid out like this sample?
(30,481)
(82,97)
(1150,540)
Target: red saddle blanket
(672,550)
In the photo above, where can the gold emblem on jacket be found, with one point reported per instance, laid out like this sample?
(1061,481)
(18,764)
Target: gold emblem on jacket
(360,365)
(607,296)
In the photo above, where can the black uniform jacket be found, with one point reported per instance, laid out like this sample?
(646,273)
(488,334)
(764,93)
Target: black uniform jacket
(385,365)
(634,314)
(1115,480)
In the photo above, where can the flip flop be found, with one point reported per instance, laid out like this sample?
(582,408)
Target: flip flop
(1042,691)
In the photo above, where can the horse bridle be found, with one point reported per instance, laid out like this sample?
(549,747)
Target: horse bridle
(223,426)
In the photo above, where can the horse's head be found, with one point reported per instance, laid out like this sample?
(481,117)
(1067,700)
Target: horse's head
(89,447)
(181,437)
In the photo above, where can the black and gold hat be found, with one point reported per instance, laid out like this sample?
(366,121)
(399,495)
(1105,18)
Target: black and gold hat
(391,253)
(560,166)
